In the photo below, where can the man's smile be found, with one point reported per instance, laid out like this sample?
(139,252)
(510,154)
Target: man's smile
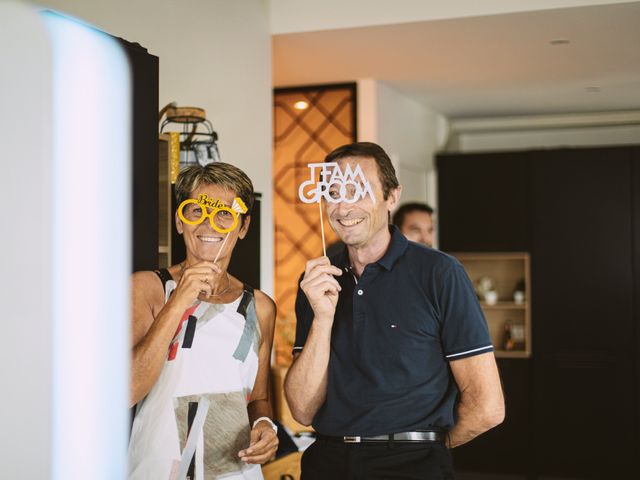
(349,222)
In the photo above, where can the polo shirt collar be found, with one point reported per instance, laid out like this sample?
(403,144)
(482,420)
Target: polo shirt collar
(342,258)
(397,247)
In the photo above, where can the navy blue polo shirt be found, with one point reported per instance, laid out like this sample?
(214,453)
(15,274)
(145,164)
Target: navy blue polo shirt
(395,330)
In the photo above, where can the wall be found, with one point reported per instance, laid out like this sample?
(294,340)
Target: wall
(213,54)
(64,411)
(25,357)
(288,16)
(409,131)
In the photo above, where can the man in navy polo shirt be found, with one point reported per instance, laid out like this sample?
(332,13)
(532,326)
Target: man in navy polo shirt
(393,361)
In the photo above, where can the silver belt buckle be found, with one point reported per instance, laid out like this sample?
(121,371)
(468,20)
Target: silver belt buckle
(351,439)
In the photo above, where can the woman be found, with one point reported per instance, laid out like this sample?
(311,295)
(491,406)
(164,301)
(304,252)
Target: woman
(202,345)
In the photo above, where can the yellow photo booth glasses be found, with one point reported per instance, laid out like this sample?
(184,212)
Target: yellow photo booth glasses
(223,219)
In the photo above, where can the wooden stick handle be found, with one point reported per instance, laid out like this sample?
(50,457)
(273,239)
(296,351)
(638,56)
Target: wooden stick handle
(324,246)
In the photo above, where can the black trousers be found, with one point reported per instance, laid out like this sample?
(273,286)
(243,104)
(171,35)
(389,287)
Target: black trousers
(331,460)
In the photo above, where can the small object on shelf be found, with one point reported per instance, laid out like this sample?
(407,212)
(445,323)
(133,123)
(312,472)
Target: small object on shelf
(513,338)
(491,297)
(507,340)
(517,336)
(518,297)
(484,285)
(519,292)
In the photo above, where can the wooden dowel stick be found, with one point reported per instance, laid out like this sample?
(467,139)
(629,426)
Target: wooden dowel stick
(324,247)
(220,251)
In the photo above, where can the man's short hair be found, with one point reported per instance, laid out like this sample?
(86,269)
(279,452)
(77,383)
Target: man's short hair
(405,209)
(386,172)
(218,173)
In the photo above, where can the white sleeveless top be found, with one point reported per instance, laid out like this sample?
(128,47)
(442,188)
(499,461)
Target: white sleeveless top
(194,421)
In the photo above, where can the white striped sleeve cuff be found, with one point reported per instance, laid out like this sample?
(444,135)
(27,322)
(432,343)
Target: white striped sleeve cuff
(469,353)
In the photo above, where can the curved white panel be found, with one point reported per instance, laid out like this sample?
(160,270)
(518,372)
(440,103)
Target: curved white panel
(91,252)
(25,243)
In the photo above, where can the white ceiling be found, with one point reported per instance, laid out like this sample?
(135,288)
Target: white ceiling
(493,65)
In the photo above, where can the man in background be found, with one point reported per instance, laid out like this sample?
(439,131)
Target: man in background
(415,221)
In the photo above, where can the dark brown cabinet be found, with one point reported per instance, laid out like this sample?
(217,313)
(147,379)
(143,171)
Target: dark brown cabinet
(507,448)
(483,202)
(573,408)
(144,138)
(582,277)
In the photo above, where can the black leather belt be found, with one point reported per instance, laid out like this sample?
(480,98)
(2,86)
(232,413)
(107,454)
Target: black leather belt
(412,437)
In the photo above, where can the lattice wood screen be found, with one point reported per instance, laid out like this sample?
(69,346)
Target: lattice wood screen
(302,136)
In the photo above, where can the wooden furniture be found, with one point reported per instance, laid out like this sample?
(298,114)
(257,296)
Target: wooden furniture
(285,468)
(185,114)
(165,210)
(506,317)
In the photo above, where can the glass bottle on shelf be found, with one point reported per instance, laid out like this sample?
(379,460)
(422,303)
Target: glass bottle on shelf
(507,339)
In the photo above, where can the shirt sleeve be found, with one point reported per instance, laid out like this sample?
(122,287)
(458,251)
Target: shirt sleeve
(464,330)
(304,317)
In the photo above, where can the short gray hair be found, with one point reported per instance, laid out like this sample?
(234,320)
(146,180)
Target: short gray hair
(217,173)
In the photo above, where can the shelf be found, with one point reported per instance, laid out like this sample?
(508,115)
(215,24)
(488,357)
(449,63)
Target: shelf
(507,270)
(165,214)
(284,467)
(512,354)
(490,256)
(504,306)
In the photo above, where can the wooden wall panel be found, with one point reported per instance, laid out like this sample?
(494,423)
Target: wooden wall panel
(302,137)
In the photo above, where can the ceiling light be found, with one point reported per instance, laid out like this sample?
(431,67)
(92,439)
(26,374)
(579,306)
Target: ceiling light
(301,105)
(560,41)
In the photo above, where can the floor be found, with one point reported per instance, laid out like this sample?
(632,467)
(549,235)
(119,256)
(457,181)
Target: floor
(489,476)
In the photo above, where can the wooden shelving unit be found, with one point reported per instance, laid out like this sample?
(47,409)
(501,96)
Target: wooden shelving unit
(506,270)
(504,306)
(165,219)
